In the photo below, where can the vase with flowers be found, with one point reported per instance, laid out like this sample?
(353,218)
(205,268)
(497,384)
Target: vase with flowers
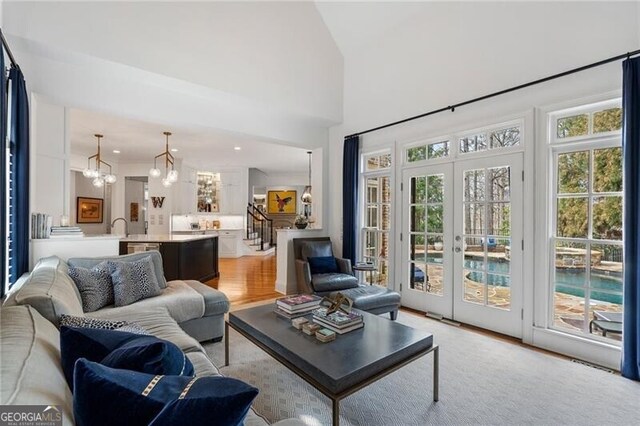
(301,221)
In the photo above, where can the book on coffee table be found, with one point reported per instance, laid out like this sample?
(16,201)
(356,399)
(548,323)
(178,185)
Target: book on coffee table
(301,302)
(338,318)
(291,315)
(339,330)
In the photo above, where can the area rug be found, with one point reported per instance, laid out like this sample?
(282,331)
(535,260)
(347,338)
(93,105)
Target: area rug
(483,380)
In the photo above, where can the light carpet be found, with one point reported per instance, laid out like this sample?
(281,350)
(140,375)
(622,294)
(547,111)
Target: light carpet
(483,380)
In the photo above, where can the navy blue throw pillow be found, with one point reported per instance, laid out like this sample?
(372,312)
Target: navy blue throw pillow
(119,349)
(323,265)
(108,396)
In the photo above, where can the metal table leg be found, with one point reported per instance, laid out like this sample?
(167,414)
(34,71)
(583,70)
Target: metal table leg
(436,373)
(336,412)
(226,344)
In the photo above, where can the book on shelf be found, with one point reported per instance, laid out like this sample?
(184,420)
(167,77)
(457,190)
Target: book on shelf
(40,225)
(343,330)
(338,319)
(301,302)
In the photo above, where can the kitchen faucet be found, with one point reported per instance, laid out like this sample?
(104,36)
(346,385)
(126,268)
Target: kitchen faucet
(126,225)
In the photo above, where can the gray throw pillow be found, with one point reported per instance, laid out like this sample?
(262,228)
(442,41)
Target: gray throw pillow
(103,324)
(94,285)
(133,281)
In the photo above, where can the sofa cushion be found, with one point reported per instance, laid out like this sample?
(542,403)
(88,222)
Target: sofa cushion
(117,349)
(156,320)
(133,281)
(106,396)
(156,258)
(215,301)
(49,290)
(202,365)
(182,302)
(323,265)
(333,282)
(316,249)
(94,285)
(31,368)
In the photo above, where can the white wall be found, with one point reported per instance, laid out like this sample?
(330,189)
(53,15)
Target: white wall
(276,53)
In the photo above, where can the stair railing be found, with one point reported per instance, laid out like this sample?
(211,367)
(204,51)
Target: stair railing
(268,223)
(259,227)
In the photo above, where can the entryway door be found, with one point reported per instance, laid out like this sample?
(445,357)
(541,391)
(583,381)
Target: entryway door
(462,241)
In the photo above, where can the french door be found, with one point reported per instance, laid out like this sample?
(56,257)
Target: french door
(462,254)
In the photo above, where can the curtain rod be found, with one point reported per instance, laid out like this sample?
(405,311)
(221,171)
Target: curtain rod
(6,48)
(501,92)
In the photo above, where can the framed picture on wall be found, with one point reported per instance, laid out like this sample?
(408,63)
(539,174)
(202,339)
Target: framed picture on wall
(89,210)
(281,202)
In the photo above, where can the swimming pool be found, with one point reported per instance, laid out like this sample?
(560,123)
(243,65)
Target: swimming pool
(567,281)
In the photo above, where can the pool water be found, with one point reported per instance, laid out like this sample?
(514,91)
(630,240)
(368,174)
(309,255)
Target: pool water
(566,281)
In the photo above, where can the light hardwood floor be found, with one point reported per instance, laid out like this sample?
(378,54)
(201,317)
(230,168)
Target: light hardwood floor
(247,279)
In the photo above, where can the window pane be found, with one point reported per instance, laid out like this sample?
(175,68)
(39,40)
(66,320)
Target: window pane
(474,185)
(573,219)
(577,125)
(418,189)
(473,143)
(474,219)
(573,172)
(607,170)
(474,253)
(372,216)
(607,120)
(569,285)
(474,286)
(499,291)
(372,190)
(385,161)
(499,255)
(372,163)
(418,276)
(383,250)
(385,189)
(606,271)
(434,248)
(434,218)
(418,214)
(506,137)
(499,180)
(417,249)
(438,150)
(386,217)
(370,243)
(435,190)
(499,220)
(417,153)
(607,218)
(434,276)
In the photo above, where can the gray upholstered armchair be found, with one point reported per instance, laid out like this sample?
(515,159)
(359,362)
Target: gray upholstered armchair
(321,284)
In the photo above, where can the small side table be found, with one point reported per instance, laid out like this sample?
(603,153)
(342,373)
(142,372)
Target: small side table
(366,268)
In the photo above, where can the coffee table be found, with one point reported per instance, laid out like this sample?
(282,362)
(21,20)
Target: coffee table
(342,367)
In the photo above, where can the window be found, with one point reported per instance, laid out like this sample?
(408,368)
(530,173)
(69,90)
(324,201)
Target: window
(376,222)
(493,139)
(428,151)
(587,212)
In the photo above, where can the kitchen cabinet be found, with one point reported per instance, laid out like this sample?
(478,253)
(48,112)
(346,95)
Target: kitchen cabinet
(229,243)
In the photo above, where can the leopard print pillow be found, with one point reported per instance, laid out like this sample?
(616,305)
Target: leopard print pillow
(94,285)
(86,322)
(133,281)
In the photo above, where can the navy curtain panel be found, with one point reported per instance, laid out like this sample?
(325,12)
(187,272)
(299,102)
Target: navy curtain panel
(3,169)
(630,367)
(19,140)
(350,161)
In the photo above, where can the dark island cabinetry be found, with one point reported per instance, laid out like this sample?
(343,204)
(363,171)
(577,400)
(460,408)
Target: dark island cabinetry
(183,257)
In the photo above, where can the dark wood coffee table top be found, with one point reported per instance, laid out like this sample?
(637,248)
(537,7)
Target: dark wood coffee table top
(338,366)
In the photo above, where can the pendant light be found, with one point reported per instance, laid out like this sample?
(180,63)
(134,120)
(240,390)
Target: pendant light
(306,194)
(99,177)
(171,176)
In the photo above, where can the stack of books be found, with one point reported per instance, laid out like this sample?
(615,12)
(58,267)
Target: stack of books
(340,322)
(297,306)
(66,232)
(40,225)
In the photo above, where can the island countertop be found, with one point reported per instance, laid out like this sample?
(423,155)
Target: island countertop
(166,238)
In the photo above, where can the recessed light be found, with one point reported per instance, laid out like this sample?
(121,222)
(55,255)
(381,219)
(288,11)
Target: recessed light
(174,149)
(116,151)
(237,148)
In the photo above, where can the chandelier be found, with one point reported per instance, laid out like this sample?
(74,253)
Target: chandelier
(99,177)
(171,176)
(306,194)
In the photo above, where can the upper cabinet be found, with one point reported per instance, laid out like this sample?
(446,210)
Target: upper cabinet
(233,195)
(212,191)
(208,192)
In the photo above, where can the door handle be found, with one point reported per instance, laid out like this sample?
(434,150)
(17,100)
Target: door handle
(458,238)
(457,250)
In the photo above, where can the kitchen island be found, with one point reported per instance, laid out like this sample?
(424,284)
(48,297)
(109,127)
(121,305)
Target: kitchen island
(184,257)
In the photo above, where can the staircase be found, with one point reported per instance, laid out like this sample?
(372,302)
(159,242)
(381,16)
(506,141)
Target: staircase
(259,239)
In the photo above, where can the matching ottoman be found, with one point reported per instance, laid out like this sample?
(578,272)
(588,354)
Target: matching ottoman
(373,299)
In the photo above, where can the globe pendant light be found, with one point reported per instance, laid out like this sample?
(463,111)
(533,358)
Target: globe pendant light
(95,173)
(306,194)
(171,176)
